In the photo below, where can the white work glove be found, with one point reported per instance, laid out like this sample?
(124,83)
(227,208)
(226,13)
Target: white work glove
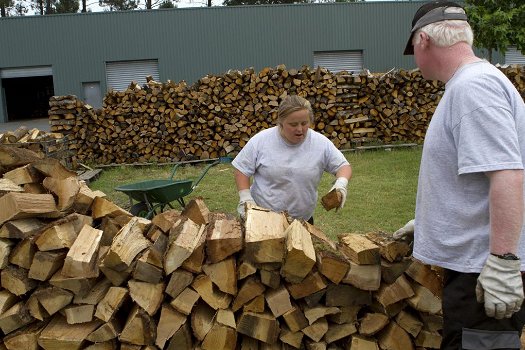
(340,186)
(500,287)
(244,197)
(405,232)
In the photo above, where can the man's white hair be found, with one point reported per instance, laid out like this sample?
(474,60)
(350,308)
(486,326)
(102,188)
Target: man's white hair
(447,33)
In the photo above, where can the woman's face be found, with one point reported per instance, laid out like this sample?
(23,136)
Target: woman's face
(295,126)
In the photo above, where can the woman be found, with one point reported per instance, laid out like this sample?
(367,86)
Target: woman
(287,162)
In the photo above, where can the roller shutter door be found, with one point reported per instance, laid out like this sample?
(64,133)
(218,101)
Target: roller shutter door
(23,72)
(120,74)
(514,56)
(336,61)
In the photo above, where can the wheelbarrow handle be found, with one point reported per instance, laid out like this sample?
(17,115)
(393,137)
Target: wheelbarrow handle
(174,170)
(204,173)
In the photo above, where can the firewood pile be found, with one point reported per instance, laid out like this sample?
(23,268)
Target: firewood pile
(216,116)
(79,272)
(50,144)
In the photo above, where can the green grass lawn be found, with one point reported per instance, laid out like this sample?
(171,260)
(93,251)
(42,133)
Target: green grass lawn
(381,193)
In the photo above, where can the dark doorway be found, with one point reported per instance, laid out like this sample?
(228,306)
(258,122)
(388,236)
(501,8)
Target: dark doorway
(28,97)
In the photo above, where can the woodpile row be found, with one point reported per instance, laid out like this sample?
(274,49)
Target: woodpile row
(49,144)
(79,272)
(164,122)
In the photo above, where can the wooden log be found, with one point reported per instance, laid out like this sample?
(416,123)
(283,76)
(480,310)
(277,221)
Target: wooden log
(81,260)
(65,190)
(7,185)
(102,207)
(366,277)
(148,296)
(106,332)
(264,236)
(202,319)
(23,175)
(77,285)
(179,280)
(395,338)
(389,294)
(15,280)
(12,157)
(211,295)
(25,338)
(53,299)
(278,301)
(316,330)
(139,329)
(79,313)
(389,248)
(220,337)
(223,274)
(359,249)
(52,167)
(128,243)
(17,316)
(183,246)
(111,303)
(312,283)
(21,228)
(250,289)
(224,238)
(182,339)
(260,326)
(170,323)
(300,253)
(197,211)
(25,205)
(58,334)
(45,264)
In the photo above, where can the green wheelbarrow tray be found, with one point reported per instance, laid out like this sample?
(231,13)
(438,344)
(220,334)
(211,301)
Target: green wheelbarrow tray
(154,196)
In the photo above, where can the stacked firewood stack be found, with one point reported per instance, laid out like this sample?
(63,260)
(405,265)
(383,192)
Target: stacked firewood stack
(216,116)
(51,144)
(79,272)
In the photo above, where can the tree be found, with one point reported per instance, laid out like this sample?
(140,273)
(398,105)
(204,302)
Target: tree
(119,5)
(5,6)
(67,6)
(167,4)
(497,24)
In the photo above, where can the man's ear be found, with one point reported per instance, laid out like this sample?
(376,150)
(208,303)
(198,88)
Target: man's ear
(423,39)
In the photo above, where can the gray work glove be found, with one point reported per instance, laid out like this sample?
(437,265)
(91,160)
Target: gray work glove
(244,197)
(340,186)
(406,232)
(500,287)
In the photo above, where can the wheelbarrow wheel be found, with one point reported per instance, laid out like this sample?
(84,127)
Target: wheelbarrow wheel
(139,209)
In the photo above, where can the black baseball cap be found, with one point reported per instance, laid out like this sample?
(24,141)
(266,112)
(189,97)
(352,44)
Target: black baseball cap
(432,12)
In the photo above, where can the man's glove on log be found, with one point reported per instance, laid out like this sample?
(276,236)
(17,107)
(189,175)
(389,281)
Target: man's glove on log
(500,287)
(244,197)
(405,232)
(340,186)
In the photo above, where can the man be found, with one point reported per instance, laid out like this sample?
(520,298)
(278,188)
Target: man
(469,206)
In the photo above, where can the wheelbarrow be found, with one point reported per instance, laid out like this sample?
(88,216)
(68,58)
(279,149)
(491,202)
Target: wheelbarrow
(153,196)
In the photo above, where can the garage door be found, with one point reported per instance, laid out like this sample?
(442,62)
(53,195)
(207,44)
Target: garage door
(513,56)
(22,72)
(336,61)
(120,74)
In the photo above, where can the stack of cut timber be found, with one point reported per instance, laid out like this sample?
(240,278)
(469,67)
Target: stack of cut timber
(43,142)
(63,111)
(217,115)
(79,272)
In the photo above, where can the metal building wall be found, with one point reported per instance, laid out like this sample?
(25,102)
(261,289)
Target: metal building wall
(192,42)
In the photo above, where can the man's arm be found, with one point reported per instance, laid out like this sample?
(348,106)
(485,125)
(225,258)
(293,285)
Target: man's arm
(506,210)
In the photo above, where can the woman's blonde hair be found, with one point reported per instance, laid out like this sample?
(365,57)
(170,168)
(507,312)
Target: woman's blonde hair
(293,103)
(447,33)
